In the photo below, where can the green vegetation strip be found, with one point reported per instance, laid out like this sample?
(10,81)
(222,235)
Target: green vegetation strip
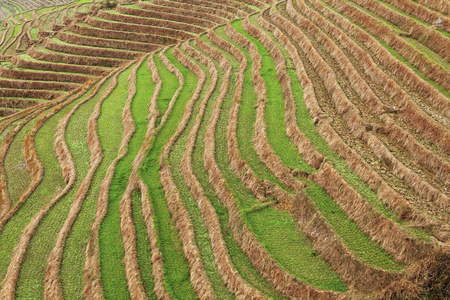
(74,251)
(176,268)
(355,239)
(12,231)
(201,233)
(143,247)
(240,261)
(111,246)
(170,84)
(246,122)
(274,114)
(41,245)
(16,171)
(276,230)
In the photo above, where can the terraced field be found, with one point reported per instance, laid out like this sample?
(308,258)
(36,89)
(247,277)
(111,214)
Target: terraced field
(181,149)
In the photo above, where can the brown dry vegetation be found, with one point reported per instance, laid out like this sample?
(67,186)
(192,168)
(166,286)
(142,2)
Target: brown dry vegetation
(184,12)
(71,38)
(122,35)
(354,122)
(68,170)
(145,29)
(165,16)
(57,67)
(374,26)
(90,51)
(38,54)
(42,76)
(125,18)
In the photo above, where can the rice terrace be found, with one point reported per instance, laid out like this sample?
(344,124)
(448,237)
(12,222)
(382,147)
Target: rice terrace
(224,149)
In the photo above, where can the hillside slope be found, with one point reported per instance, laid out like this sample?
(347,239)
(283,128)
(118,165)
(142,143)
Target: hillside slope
(226,149)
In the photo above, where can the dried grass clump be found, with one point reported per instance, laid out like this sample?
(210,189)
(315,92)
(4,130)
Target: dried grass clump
(402,289)
(89,51)
(150,22)
(438,5)
(225,11)
(55,67)
(42,76)
(433,275)
(37,94)
(429,278)
(183,12)
(226,5)
(17,103)
(164,16)
(121,35)
(139,28)
(76,39)
(37,85)
(419,11)
(427,36)
(72,59)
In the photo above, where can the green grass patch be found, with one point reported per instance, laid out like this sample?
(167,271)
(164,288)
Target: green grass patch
(240,261)
(274,113)
(143,247)
(306,125)
(176,268)
(111,246)
(17,175)
(246,121)
(276,230)
(200,230)
(51,184)
(41,245)
(169,85)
